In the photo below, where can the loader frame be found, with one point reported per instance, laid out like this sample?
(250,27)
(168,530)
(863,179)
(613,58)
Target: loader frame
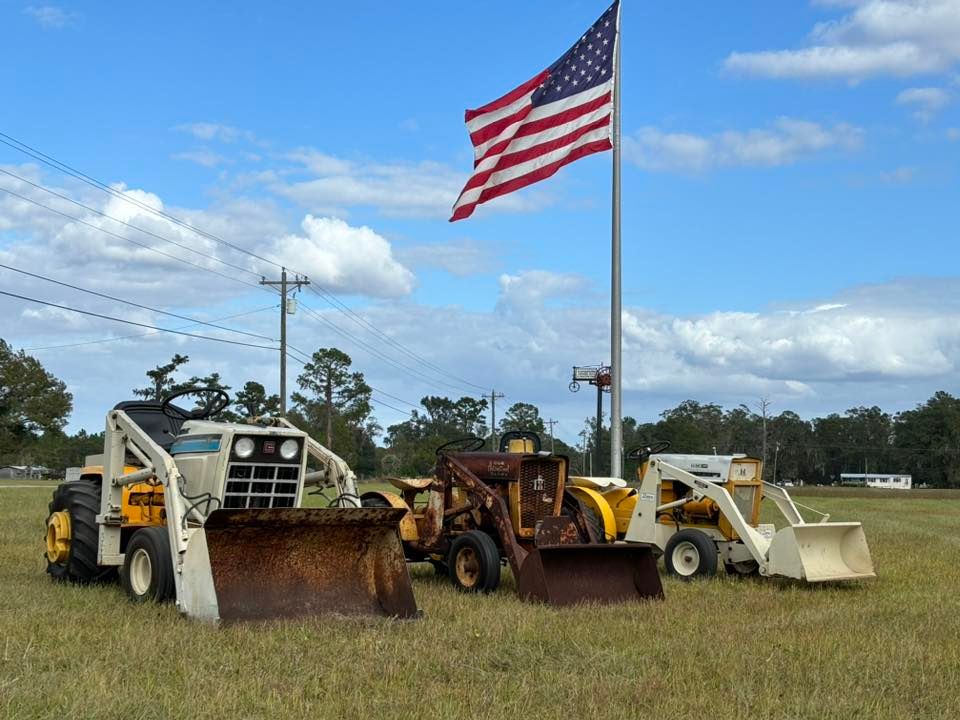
(775,552)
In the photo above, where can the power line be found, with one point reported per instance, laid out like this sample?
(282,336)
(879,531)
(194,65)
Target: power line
(131,322)
(140,335)
(129,225)
(60,166)
(125,239)
(360,320)
(136,305)
(22,147)
(299,355)
(372,350)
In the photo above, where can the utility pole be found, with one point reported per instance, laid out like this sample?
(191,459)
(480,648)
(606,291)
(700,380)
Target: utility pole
(551,423)
(284,287)
(763,406)
(494,395)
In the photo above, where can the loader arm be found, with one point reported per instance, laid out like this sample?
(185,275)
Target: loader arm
(122,436)
(756,543)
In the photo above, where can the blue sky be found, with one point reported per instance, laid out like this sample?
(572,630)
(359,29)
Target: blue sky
(779,159)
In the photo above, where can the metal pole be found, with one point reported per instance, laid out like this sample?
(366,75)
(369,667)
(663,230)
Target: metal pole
(283,342)
(598,429)
(616,351)
(493,417)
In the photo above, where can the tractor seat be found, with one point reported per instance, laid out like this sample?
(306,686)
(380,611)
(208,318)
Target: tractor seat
(161,427)
(416,484)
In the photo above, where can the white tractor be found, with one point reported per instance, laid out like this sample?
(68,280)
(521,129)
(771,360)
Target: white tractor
(210,514)
(701,510)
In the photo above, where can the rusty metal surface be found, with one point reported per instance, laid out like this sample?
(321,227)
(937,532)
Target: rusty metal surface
(573,574)
(453,471)
(559,530)
(288,563)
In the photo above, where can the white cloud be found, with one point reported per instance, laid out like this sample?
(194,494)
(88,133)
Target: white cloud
(49,17)
(953,134)
(398,189)
(345,259)
(878,37)
(785,143)
(899,176)
(206,158)
(927,101)
(336,255)
(461,258)
(215,132)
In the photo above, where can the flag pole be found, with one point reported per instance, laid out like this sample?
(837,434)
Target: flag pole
(616,351)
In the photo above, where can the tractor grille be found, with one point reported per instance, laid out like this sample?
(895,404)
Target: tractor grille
(539,491)
(252,485)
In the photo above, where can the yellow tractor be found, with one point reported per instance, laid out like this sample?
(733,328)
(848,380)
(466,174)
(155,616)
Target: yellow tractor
(209,514)
(484,509)
(701,510)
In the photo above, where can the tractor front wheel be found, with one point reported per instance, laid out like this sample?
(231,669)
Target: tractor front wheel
(474,562)
(148,567)
(690,554)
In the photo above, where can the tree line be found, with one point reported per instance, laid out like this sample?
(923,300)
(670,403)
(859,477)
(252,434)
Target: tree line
(334,403)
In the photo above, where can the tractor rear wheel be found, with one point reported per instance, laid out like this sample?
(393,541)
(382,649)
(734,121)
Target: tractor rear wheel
(72,534)
(147,573)
(474,562)
(690,554)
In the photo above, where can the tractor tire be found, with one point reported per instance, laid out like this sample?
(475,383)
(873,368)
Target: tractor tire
(742,569)
(147,574)
(372,500)
(474,562)
(80,500)
(690,554)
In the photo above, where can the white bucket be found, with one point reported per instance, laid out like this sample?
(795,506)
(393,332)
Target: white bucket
(821,552)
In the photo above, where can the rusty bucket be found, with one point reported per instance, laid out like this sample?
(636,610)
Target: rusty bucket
(286,563)
(571,574)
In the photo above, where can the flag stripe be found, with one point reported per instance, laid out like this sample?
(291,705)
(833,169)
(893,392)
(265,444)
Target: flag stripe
(588,112)
(545,111)
(529,148)
(466,210)
(526,89)
(499,177)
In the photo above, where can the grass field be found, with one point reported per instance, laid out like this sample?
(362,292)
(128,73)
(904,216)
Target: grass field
(726,648)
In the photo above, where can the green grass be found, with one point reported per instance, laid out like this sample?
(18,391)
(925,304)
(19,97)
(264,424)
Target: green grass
(725,648)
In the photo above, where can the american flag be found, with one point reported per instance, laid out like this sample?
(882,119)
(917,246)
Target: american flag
(560,115)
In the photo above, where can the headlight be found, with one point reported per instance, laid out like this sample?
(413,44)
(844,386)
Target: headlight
(243,447)
(289,449)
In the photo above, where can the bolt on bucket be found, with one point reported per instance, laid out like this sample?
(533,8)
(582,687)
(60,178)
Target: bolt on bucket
(821,552)
(286,563)
(571,574)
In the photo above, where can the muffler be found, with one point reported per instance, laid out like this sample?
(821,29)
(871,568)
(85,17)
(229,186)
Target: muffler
(289,563)
(569,574)
(820,552)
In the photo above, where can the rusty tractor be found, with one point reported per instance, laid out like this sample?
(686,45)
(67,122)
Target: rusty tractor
(481,510)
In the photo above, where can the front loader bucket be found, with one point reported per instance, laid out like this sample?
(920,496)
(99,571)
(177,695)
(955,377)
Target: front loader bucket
(821,552)
(571,574)
(285,563)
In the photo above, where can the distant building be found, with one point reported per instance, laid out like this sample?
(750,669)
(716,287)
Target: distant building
(22,472)
(876,480)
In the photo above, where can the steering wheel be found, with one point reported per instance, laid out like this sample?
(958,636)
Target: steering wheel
(644,451)
(214,401)
(464,444)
